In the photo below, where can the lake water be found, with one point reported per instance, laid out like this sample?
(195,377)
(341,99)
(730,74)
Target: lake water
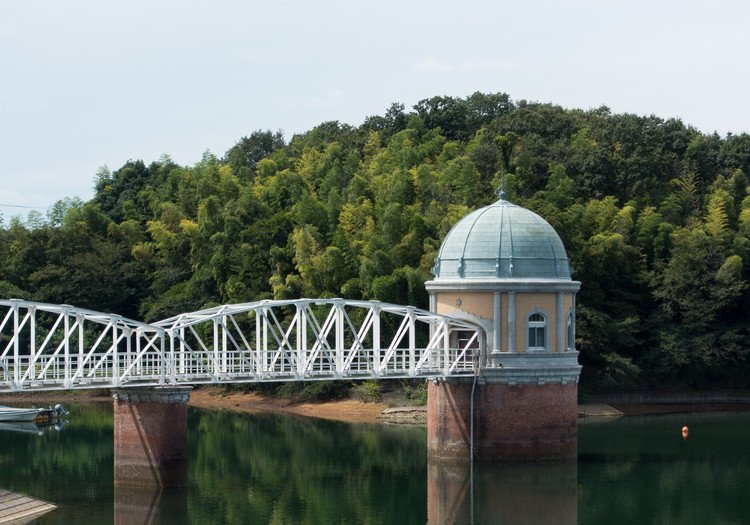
(288,470)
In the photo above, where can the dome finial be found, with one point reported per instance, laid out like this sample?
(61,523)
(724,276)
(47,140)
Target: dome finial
(500,192)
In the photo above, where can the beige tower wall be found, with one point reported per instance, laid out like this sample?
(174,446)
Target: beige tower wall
(481,305)
(475,303)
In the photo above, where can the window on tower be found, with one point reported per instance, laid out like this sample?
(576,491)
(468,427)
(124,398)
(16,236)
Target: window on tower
(537,332)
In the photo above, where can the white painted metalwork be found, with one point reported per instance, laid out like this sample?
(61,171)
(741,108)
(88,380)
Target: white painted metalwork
(50,347)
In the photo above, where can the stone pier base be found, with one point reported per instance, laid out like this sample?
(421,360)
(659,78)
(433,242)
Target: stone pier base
(151,436)
(511,422)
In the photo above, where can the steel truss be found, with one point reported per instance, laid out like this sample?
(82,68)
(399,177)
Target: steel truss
(52,347)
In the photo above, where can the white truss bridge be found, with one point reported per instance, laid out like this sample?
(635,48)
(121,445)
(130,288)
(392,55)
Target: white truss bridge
(55,347)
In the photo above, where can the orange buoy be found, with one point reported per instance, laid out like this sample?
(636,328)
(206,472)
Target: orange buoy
(685,431)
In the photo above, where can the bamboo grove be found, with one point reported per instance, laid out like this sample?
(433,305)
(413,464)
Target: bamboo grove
(654,214)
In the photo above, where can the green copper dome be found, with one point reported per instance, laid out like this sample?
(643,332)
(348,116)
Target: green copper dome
(504,241)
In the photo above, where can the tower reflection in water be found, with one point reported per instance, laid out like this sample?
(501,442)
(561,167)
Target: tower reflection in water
(514,493)
(150,506)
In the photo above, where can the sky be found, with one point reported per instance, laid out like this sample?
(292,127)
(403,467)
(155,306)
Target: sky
(89,83)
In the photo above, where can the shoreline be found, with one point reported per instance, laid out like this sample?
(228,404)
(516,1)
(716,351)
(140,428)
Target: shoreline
(346,410)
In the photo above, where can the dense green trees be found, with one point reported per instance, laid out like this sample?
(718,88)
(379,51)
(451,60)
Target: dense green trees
(655,216)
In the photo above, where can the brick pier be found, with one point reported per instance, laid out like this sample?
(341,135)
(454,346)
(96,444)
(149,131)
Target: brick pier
(526,410)
(151,436)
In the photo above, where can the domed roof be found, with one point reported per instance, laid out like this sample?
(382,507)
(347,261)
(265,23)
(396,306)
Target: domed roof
(503,241)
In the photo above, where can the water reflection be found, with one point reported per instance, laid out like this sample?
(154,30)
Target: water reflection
(71,468)
(280,469)
(641,470)
(286,469)
(516,493)
(31,427)
(144,506)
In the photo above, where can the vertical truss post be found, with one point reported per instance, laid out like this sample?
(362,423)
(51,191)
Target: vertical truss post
(339,327)
(258,368)
(216,347)
(412,342)
(163,360)
(115,355)
(265,340)
(32,336)
(446,350)
(304,338)
(300,351)
(172,361)
(16,357)
(81,350)
(138,356)
(182,348)
(376,341)
(128,347)
(66,341)
(224,347)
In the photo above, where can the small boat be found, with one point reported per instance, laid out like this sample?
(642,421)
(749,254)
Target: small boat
(20,414)
(31,414)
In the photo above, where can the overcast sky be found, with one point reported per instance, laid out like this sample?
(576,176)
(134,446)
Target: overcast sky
(91,83)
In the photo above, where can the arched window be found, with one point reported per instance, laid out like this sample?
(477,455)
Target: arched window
(570,338)
(537,332)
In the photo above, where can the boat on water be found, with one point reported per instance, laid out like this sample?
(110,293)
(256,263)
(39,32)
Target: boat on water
(20,414)
(31,414)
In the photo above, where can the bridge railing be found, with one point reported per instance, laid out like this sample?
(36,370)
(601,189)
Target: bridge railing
(252,366)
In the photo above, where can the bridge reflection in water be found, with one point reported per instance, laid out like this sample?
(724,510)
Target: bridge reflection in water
(257,468)
(519,493)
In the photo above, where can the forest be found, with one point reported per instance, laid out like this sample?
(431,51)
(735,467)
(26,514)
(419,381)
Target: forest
(654,214)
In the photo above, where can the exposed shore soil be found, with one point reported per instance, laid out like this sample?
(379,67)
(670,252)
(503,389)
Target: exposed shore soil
(217,398)
(350,410)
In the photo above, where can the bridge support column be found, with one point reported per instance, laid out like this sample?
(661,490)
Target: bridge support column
(525,410)
(151,436)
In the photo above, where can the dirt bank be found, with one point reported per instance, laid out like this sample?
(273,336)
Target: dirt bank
(351,410)
(213,397)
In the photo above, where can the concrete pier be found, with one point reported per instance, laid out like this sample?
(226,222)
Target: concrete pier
(150,427)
